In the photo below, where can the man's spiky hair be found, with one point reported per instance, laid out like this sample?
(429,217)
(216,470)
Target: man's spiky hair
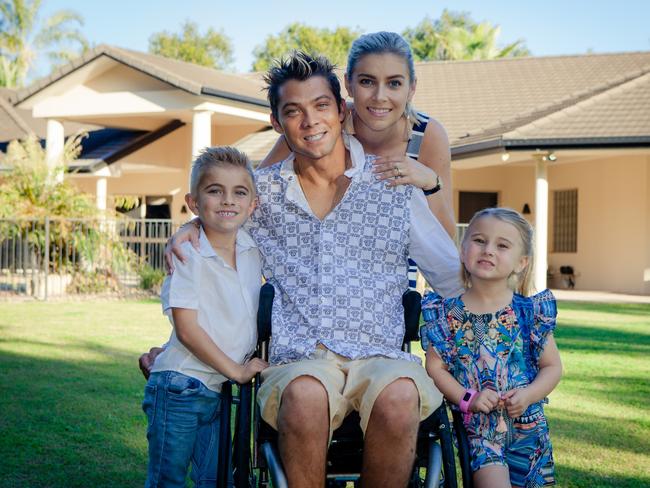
(300,66)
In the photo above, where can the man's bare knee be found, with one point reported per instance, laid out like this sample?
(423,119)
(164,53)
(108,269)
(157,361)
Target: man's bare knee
(397,406)
(304,404)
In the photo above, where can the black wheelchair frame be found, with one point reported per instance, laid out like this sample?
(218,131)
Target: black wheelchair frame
(435,447)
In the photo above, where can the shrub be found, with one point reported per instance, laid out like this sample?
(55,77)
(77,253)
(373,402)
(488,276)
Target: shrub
(79,239)
(150,278)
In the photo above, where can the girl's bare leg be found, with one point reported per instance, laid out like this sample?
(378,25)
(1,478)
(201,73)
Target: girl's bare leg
(495,476)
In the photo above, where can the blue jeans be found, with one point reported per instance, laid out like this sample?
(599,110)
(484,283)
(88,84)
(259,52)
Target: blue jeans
(183,427)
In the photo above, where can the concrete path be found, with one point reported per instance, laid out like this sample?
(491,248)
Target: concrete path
(599,296)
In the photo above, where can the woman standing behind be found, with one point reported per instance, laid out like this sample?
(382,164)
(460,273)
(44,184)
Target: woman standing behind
(381,80)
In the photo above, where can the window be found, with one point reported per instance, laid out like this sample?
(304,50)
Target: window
(565,221)
(470,202)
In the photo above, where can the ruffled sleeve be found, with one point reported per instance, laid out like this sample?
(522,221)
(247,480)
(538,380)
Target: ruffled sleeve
(435,332)
(544,322)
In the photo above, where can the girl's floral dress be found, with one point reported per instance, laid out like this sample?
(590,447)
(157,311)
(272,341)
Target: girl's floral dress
(499,351)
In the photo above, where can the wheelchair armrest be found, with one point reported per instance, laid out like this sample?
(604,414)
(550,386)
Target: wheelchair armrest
(412,303)
(267,293)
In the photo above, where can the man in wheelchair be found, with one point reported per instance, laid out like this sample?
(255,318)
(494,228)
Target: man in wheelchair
(336,243)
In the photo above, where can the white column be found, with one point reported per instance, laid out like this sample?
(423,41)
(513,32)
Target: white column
(541,223)
(201,131)
(101,190)
(54,145)
(143,206)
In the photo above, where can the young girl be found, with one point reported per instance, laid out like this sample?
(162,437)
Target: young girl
(492,354)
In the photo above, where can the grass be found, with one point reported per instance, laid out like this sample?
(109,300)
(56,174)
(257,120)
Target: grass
(70,405)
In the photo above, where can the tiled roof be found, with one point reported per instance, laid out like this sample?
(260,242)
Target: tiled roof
(258,144)
(623,111)
(12,125)
(519,100)
(189,77)
(478,100)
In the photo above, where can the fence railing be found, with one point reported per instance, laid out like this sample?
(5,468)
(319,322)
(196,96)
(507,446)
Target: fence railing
(51,256)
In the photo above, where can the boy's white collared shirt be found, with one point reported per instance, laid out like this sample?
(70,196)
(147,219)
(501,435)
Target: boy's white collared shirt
(226,302)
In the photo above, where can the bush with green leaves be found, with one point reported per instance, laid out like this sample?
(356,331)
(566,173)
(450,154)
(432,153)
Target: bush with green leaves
(150,278)
(80,238)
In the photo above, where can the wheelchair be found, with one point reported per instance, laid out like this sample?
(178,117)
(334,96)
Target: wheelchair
(261,467)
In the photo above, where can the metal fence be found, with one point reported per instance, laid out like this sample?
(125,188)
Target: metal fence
(52,257)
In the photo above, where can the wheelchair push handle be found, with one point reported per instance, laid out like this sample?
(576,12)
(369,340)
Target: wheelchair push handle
(267,294)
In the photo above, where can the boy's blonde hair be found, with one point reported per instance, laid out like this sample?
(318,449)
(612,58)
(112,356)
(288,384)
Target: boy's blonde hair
(522,282)
(218,157)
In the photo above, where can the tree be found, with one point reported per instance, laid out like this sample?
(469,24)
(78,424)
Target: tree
(30,190)
(212,49)
(455,36)
(76,239)
(23,37)
(334,44)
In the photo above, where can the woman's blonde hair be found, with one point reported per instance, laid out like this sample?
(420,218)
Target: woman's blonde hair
(521,282)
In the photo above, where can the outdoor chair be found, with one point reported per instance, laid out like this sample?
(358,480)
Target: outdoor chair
(434,465)
(568,276)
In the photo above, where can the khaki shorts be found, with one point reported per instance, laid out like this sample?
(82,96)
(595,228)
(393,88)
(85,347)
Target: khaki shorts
(350,384)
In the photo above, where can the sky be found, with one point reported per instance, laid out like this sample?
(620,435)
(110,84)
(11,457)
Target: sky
(550,27)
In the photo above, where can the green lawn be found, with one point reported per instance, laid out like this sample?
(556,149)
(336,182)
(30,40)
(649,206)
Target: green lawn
(71,391)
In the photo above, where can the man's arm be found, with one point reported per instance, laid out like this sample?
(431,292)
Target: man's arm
(432,249)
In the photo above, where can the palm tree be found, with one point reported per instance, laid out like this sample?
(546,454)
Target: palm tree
(477,41)
(456,36)
(23,36)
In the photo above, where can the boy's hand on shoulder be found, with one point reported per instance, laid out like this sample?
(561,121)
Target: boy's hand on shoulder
(485,401)
(249,369)
(516,401)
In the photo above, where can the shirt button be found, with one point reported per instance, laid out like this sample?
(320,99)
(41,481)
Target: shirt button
(322,299)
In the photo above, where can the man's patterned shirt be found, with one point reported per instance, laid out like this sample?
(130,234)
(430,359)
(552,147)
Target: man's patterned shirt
(339,281)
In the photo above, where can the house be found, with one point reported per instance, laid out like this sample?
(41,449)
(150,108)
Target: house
(563,139)
(156,114)
(566,138)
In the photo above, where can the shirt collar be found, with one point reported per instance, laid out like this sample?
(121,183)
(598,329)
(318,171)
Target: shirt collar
(352,145)
(243,243)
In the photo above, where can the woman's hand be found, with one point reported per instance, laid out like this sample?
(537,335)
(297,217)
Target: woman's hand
(189,231)
(403,170)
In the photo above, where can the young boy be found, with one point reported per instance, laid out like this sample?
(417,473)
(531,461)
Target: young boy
(212,303)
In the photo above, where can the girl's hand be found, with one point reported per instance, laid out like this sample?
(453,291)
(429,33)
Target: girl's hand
(402,170)
(516,402)
(189,231)
(485,401)
(249,369)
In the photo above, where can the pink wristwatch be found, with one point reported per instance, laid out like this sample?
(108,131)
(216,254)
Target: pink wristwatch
(464,404)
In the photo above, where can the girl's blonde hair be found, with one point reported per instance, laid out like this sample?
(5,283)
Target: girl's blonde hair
(522,282)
